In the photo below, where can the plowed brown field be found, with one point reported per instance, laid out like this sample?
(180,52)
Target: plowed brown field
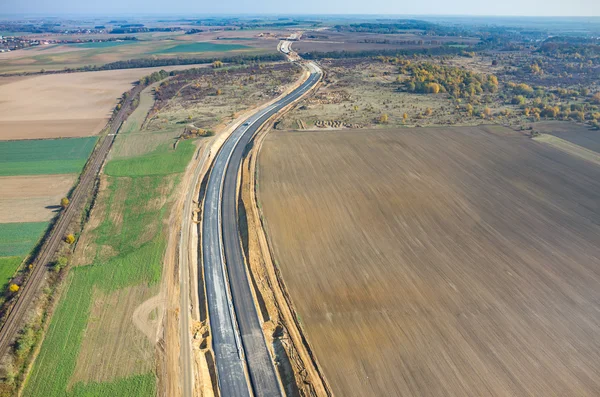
(439,262)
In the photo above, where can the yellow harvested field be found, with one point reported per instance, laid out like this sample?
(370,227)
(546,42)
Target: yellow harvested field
(460,261)
(64,105)
(27,198)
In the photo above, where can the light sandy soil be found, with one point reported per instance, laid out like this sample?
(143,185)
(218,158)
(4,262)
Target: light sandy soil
(26,198)
(42,129)
(11,79)
(148,315)
(64,105)
(439,262)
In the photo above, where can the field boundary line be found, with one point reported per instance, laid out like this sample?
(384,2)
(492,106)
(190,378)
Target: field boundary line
(569,147)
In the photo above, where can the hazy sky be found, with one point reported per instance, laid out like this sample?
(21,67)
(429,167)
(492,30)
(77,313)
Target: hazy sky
(399,7)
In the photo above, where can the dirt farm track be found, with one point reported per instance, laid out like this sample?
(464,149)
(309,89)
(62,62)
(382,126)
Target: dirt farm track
(439,261)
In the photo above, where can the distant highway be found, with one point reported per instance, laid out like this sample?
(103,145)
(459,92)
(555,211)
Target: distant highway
(49,247)
(237,336)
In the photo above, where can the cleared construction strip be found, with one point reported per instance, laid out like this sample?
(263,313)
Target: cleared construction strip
(308,375)
(221,241)
(192,279)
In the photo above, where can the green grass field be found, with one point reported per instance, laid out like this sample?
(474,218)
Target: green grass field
(8,267)
(136,243)
(45,156)
(17,239)
(139,385)
(202,47)
(163,161)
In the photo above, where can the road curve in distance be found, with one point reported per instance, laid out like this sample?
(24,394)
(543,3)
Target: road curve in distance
(237,336)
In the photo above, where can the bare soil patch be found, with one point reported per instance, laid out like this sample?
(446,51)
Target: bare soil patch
(32,198)
(41,129)
(439,261)
(11,79)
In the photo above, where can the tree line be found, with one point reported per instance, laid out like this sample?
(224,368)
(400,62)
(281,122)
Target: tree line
(433,51)
(157,62)
(426,77)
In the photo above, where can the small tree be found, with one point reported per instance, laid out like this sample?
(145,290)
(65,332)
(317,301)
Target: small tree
(64,202)
(579,116)
(69,239)
(428,112)
(218,92)
(469,109)
(13,288)
(217,64)
(383,119)
(60,264)
(596,98)
(518,100)
(432,88)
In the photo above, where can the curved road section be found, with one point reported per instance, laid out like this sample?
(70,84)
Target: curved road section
(237,337)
